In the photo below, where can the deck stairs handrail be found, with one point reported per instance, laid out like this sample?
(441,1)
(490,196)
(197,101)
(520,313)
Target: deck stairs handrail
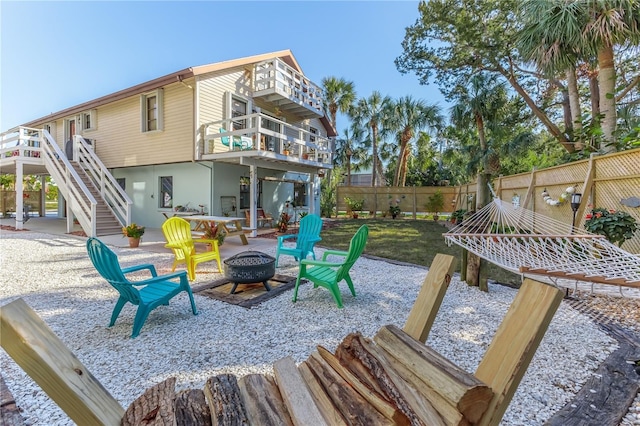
(111,192)
(79,199)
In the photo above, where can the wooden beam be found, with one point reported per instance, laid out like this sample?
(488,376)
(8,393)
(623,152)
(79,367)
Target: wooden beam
(297,397)
(424,310)
(514,344)
(46,359)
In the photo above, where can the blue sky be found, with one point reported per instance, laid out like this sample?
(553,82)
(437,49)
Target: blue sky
(55,55)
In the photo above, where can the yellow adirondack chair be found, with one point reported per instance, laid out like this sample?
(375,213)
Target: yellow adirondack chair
(177,232)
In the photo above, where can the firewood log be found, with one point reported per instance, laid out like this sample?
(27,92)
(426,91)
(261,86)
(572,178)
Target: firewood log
(461,389)
(225,403)
(191,408)
(263,402)
(154,407)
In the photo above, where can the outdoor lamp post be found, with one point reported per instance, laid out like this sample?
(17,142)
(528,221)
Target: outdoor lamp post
(576,198)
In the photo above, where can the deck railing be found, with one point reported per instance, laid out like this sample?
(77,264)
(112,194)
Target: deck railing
(274,74)
(265,133)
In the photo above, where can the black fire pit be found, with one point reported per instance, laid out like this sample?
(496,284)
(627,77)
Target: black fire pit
(249,267)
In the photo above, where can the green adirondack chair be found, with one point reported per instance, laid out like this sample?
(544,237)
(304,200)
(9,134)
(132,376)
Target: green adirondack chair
(307,236)
(329,274)
(147,294)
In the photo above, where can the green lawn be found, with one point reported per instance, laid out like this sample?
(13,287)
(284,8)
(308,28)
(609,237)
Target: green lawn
(406,240)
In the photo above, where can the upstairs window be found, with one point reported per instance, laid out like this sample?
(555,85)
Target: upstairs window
(312,136)
(88,120)
(151,111)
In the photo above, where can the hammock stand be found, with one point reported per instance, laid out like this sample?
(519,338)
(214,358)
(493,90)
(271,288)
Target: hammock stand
(529,243)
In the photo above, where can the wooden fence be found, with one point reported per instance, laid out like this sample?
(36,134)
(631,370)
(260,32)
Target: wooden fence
(605,181)
(32,198)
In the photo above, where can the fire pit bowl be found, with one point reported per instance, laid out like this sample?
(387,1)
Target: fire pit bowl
(249,267)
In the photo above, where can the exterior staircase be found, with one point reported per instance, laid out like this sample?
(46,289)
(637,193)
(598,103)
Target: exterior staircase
(106,222)
(93,196)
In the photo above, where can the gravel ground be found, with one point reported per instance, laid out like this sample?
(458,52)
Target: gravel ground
(54,276)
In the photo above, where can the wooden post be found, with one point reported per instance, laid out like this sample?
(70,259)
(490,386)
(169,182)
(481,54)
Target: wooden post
(415,204)
(463,265)
(514,344)
(424,310)
(46,359)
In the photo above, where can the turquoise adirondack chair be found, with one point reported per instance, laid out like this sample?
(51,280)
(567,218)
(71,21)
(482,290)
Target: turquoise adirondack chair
(329,274)
(308,235)
(242,142)
(147,294)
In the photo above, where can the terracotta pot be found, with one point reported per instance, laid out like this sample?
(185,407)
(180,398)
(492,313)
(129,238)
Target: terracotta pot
(134,242)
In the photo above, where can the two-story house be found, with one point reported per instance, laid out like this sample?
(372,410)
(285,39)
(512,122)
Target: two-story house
(220,138)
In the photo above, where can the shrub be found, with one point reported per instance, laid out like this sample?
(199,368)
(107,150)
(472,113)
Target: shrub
(616,226)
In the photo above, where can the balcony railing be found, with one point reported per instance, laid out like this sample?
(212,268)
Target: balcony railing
(262,133)
(23,142)
(287,89)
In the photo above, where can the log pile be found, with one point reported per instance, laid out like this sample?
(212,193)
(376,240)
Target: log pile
(390,380)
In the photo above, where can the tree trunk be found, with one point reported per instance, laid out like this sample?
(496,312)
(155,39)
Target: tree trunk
(594,89)
(374,145)
(403,172)
(607,82)
(574,102)
(550,125)
(476,277)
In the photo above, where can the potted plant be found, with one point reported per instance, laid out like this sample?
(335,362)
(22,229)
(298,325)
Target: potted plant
(134,233)
(302,214)
(353,206)
(616,226)
(283,222)
(286,150)
(214,232)
(395,211)
(435,204)
(457,216)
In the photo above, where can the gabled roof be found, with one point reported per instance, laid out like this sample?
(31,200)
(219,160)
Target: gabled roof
(285,55)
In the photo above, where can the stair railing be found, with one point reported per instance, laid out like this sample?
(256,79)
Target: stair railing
(116,199)
(79,199)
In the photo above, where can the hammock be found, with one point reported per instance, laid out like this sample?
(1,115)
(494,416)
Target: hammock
(525,242)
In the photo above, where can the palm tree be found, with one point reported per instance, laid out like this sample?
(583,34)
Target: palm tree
(372,113)
(593,28)
(478,103)
(345,150)
(542,40)
(338,95)
(410,116)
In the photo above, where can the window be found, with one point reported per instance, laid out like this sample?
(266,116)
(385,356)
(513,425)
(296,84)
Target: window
(151,110)
(121,182)
(166,192)
(88,120)
(245,196)
(236,106)
(50,128)
(312,136)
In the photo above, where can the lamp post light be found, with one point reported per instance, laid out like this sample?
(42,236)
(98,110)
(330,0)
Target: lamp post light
(576,198)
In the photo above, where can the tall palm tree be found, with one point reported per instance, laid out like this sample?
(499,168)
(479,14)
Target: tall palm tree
(346,148)
(372,113)
(593,28)
(542,40)
(478,103)
(339,95)
(408,117)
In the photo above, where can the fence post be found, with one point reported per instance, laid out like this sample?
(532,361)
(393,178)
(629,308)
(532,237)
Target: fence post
(415,204)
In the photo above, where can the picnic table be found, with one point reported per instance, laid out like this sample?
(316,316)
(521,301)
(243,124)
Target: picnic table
(204,223)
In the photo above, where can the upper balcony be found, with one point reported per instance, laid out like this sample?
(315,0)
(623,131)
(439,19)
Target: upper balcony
(284,146)
(277,83)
